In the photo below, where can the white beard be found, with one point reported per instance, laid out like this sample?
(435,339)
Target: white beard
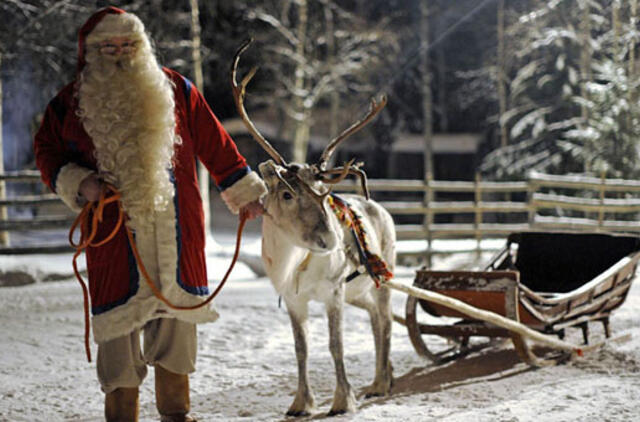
(126,106)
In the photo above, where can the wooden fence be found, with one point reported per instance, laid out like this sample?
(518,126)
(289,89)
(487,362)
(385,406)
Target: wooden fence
(434,209)
(59,218)
(495,209)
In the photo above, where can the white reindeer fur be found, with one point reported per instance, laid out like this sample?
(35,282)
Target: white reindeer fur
(301,271)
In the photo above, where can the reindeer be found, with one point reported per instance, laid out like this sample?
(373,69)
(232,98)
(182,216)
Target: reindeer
(309,254)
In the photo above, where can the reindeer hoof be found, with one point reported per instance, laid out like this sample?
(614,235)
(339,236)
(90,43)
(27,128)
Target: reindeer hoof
(378,390)
(370,394)
(298,413)
(336,412)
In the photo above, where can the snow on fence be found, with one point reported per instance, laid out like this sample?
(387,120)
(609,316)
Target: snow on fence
(440,209)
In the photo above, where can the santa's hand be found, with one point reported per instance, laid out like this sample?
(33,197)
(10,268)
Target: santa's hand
(90,188)
(252,210)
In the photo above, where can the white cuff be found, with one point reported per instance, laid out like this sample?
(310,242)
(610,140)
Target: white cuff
(68,182)
(244,191)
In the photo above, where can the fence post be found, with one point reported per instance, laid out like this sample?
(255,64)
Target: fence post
(531,190)
(428,216)
(603,181)
(477,192)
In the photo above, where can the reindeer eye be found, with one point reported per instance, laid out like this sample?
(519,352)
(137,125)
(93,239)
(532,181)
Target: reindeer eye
(287,196)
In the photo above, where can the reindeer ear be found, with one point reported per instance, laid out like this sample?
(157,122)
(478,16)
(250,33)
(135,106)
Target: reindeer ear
(267,169)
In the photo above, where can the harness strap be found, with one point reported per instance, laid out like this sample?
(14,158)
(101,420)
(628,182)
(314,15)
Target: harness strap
(362,256)
(372,263)
(88,230)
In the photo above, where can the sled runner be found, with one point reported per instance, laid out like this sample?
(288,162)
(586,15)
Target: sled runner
(546,281)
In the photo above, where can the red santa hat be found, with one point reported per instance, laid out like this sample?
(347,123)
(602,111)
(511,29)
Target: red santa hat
(104,24)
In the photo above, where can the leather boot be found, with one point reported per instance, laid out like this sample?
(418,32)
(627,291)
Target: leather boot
(172,396)
(121,405)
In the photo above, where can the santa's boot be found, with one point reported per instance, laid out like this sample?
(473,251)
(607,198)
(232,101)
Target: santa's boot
(172,396)
(121,405)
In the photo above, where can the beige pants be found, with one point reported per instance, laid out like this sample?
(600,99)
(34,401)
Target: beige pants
(168,342)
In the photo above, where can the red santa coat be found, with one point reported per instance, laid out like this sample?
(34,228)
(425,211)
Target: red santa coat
(120,300)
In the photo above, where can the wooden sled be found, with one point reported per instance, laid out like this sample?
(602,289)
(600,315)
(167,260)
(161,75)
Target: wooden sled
(546,281)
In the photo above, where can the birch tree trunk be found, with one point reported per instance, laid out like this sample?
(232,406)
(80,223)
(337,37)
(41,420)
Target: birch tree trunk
(427,105)
(203,173)
(633,20)
(301,117)
(427,118)
(442,88)
(4,236)
(501,79)
(334,96)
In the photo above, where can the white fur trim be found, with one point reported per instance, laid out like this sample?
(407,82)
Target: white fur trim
(158,251)
(112,25)
(136,313)
(245,190)
(69,178)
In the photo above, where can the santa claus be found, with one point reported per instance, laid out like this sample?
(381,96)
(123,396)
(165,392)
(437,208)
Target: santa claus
(127,121)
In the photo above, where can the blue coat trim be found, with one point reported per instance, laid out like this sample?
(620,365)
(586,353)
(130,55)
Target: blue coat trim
(195,290)
(54,180)
(234,177)
(134,284)
(187,93)
(58,107)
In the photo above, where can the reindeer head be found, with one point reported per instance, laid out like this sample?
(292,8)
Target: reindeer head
(297,192)
(295,203)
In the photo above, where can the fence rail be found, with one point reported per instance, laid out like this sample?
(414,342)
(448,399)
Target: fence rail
(542,202)
(597,201)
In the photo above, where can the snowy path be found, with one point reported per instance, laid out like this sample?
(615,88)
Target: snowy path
(246,366)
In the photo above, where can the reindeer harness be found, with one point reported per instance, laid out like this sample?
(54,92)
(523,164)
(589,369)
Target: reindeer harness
(372,263)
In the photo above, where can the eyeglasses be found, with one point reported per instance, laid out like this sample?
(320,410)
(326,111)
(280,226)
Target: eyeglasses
(110,49)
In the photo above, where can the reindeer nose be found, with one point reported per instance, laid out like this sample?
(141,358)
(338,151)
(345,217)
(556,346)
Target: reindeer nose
(321,243)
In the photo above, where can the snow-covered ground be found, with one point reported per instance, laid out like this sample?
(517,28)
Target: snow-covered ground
(247,371)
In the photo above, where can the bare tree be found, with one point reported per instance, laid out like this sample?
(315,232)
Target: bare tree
(328,50)
(4,236)
(501,78)
(196,56)
(425,71)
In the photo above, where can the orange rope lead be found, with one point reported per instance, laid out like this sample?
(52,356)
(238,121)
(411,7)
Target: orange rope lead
(88,230)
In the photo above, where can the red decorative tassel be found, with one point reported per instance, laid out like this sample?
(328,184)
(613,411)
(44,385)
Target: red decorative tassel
(353,221)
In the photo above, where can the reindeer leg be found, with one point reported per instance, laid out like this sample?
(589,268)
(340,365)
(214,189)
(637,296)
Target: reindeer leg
(344,399)
(304,402)
(381,326)
(379,315)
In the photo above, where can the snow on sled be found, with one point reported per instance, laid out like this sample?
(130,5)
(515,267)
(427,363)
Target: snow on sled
(548,281)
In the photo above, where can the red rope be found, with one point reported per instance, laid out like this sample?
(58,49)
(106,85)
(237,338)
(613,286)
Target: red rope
(88,230)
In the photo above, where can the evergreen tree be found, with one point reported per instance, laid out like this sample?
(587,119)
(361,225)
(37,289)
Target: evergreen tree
(609,141)
(573,106)
(549,75)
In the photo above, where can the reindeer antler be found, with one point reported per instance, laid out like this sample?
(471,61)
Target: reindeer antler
(343,172)
(238,96)
(374,109)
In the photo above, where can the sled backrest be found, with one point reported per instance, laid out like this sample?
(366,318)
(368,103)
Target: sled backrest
(562,262)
